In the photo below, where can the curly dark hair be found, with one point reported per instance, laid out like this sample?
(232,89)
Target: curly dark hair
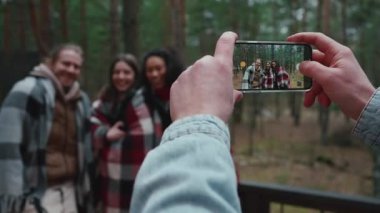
(173,65)
(174,68)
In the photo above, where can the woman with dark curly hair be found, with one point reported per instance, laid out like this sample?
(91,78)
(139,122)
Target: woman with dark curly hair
(160,68)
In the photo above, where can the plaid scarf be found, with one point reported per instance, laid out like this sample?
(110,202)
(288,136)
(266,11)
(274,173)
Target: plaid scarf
(282,80)
(246,84)
(119,161)
(268,79)
(28,112)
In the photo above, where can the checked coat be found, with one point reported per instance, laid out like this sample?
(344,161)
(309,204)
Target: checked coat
(119,161)
(26,118)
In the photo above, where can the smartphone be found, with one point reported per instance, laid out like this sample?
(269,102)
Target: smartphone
(263,66)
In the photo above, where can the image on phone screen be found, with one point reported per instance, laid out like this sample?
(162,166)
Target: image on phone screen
(270,66)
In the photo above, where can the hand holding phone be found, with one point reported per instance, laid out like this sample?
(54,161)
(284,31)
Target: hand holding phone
(270,66)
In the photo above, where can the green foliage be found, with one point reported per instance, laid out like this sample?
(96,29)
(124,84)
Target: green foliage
(98,54)
(152,28)
(207,19)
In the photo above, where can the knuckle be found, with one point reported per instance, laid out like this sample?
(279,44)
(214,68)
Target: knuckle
(321,34)
(346,51)
(330,78)
(223,40)
(202,61)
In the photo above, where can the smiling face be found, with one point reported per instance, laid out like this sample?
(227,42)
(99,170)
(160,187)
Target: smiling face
(258,63)
(268,65)
(156,72)
(123,76)
(274,64)
(66,67)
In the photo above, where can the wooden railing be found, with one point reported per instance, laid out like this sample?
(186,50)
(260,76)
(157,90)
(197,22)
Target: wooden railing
(258,197)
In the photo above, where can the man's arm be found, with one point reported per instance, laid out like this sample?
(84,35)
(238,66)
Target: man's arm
(12,116)
(192,169)
(245,83)
(368,125)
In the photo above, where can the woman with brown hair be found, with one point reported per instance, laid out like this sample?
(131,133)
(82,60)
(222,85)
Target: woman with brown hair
(123,133)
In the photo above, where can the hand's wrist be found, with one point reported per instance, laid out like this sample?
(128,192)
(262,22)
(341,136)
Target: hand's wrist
(367,102)
(201,123)
(363,99)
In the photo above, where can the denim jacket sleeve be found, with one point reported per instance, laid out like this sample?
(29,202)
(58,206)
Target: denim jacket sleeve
(191,171)
(368,125)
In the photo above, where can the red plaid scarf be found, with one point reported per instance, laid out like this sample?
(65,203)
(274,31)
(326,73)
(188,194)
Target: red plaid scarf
(282,80)
(119,161)
(268,80)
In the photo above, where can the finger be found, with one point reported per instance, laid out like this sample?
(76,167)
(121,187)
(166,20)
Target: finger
(312,94)
(174,88)
(237,95)
(318,56)
(309,99)
(119,124)
(322,42)
(224,49)
(180,78)
(324,100)
(315,70)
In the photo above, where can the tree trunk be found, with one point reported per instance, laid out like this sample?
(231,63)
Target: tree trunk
(7,33)
(326,16)
(253,109)
(344,30)
(115,27)
(83,37)
(46,23)
(237,113)
(319,16)
(21,25)
(42,49)
(295,99)
(64,23)
(304,16)
(234,7)
(324,112)
(178,25)
(274,21)
(83,24)
(207,35)
(344,21)
(165,15)
(130,26)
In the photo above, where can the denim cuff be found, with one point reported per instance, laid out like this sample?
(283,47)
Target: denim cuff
(367,127)
(210,125)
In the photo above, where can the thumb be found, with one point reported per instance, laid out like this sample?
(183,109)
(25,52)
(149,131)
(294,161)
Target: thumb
(119,124)
(314,70)
(237,96)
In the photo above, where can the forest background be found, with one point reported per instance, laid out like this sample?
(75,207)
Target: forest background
(275,139)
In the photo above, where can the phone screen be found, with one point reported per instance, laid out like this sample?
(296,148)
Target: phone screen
(270,66)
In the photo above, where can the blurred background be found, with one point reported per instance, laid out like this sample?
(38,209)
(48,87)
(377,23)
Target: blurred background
(275,139)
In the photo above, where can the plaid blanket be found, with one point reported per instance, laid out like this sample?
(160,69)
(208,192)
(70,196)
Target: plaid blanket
(26,117)
(268,80)
(282,79)
(246,84)
(119,161)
